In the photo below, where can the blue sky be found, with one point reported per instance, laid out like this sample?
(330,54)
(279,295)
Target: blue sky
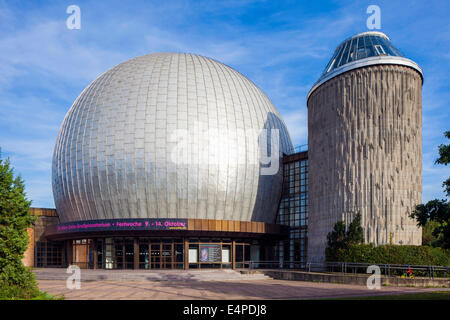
(282,46)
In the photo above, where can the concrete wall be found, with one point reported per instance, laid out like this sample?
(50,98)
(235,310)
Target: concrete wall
(365,155)
(357,279)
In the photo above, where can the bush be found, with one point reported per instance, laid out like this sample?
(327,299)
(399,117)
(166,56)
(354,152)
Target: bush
(341,237)
(28,290)
(428,239)
(392,254)
(14,292)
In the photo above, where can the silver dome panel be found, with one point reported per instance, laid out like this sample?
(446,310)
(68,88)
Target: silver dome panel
(114,156)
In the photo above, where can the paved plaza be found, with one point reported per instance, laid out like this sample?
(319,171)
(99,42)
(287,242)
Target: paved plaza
(201,285)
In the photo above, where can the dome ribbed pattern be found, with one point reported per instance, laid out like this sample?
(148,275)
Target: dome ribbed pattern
(116,154)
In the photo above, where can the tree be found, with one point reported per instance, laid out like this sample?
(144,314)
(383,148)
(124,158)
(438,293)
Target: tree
(15,218)
(336,238)
(341,238)
(355,233)
(428,237)
(444,151)
(444,158)
(437,211)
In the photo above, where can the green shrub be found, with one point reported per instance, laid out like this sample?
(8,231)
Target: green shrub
(428,238)
(341,236)
(15,292)
(392,254)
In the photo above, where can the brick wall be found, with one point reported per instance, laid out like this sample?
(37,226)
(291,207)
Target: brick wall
(46,217)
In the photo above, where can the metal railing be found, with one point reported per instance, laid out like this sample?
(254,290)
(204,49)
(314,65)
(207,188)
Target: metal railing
(391,269)
(297,265)
(352,267)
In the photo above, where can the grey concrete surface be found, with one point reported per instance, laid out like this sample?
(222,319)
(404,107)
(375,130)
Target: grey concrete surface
(199,285)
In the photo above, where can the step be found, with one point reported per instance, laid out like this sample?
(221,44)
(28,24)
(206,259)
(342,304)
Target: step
(150,275)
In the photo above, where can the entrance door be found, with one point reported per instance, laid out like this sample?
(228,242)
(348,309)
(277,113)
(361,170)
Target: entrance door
(143,256)
(129,255)
(155,255)
(124,253)
(118,255)
(166,256)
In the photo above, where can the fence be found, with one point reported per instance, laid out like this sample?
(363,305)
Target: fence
(352,267)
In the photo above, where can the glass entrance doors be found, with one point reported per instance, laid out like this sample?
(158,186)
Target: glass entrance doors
(144,256)
(155,255)
(129,254)
(163,253)
(123,254)
(166,255)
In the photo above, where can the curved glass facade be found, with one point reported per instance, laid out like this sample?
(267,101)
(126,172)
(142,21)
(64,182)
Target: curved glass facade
(361,46)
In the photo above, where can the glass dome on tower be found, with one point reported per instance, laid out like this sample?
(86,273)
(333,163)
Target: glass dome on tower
(360,50)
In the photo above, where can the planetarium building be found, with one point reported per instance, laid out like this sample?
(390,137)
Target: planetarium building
(174,160)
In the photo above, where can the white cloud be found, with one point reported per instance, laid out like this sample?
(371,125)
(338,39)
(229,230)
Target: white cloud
(44,66)
(49,49)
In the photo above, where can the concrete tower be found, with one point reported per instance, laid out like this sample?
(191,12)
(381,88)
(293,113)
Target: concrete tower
(365,143)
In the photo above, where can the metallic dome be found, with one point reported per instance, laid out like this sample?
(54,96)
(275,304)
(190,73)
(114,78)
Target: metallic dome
(167,135)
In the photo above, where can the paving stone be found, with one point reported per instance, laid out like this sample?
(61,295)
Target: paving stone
(218,290)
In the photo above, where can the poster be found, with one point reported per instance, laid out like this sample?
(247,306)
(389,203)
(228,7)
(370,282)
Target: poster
(210,253)
(193,253)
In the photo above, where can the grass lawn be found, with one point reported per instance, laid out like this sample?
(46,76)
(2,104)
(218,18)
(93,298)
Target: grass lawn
(435,295)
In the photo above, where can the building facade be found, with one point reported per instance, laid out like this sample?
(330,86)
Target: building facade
(177,161)
(293,210)
(230,244)
(365,143)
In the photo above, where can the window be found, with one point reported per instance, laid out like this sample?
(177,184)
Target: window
(331,65)
(293,212)
(379,49)
(49,254)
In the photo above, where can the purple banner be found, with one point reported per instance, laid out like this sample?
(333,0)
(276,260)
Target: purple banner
(122,225)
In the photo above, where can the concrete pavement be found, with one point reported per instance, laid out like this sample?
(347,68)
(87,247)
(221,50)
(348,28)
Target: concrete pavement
(202,285)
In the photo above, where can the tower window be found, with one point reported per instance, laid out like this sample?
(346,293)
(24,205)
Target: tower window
(331,65)
(380,50)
